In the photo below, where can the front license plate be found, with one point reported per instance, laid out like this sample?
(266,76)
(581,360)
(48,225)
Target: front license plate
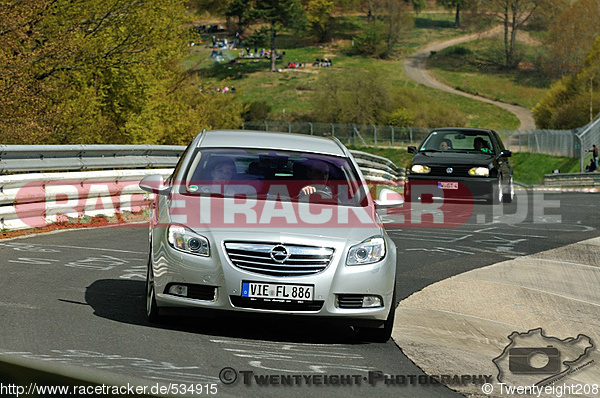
(448,185)
(277,291)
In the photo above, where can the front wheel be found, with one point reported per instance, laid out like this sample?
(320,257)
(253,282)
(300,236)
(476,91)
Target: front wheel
(496,195)
(407,192)
(510,195)
(383,334)
(152,311)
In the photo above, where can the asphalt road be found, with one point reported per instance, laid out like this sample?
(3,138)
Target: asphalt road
(77,298)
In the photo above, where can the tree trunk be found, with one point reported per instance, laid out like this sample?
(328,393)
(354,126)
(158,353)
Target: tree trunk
(506,41)
(390,39)
(273,57)
(457,19)
(513,37)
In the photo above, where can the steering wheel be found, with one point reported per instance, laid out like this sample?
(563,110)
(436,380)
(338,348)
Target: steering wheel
(325,194)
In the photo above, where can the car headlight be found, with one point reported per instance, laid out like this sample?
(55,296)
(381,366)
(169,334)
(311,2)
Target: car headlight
(183,239)
(420,169)
(370,251)
(479,172)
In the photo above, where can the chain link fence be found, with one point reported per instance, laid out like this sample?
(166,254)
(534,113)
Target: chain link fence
(587,136)
(551,142)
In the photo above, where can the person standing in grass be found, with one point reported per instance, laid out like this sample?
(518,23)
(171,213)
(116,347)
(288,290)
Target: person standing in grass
(594,152)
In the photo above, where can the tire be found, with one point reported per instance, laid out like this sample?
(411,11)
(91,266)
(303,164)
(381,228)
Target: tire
(510,195)
(497,194)
(152,310)
(406,192)
(383,334)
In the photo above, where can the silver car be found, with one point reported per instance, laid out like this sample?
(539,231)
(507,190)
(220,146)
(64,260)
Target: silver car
(270,223)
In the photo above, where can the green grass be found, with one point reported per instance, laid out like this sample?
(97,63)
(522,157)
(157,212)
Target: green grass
(289,93)
(529,168)
(476,68)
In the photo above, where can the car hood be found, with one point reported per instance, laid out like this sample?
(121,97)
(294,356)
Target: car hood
(453,158)
(275,221)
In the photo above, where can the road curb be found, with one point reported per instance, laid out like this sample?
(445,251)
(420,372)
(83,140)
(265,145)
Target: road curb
(461,324)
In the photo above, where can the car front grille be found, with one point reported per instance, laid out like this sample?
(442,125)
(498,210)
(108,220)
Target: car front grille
(266,258)
(349,301)
(457,171)
(276,305)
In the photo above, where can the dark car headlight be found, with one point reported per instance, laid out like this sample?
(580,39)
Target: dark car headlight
(185,240)
(370,251)
(479,172)
(420,169)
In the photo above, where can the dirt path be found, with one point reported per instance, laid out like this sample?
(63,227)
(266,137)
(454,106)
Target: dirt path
(415,67)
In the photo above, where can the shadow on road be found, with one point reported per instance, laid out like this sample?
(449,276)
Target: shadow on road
(124,301)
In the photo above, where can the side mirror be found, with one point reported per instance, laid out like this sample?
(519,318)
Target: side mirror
(505,154)
(387,198)
(412,149)
(154,184)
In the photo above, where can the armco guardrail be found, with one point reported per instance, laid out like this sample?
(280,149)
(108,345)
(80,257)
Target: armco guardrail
(572,180)
(30,158)
(36,199)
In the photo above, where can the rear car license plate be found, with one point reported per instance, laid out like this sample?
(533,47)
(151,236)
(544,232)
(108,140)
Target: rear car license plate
(278,291)
(448,185)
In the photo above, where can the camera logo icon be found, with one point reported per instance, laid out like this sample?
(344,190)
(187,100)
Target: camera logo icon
(534,360)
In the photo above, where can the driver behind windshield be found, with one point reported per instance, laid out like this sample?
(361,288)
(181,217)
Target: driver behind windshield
(479,144)
(317,170)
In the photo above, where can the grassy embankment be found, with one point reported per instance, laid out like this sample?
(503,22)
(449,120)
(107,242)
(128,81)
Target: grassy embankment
(473,67)
(476,68)
(290,91)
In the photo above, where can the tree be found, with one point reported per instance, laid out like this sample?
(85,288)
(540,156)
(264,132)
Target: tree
(213,7)
(513,14)
(355,96)
(396,18)
(318,13)
(278,14)
(571,35)
(454,5)
(242,10)
(98,71)
(574,100)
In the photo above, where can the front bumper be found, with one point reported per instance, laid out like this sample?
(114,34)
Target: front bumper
(441,188)
(218,275)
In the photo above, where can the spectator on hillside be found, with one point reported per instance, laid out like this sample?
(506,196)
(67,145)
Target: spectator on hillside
(591,167)
(594,152)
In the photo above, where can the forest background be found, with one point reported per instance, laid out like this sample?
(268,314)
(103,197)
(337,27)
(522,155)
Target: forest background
(140,71)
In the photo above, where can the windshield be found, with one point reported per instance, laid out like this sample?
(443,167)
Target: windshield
(458,141)
(274,174)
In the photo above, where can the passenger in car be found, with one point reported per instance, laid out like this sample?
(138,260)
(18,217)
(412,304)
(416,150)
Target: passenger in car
(445,144)
(223,172)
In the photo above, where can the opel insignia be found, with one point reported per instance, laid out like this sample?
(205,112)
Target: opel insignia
(270,223)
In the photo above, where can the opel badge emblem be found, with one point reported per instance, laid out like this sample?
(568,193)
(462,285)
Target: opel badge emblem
(279,254)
